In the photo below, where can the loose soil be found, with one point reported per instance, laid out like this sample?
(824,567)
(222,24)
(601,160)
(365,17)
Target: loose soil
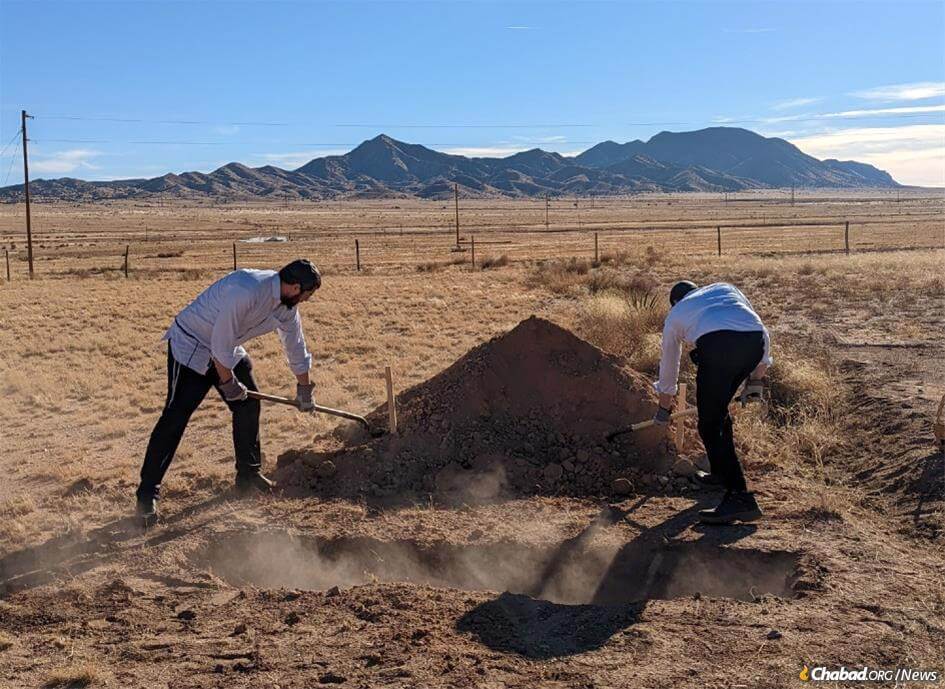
(526,412)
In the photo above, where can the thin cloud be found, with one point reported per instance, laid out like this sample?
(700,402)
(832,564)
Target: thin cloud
(519,28)
(293,159)
(915,91)
(483,151)
(63,162)
(795,103)
(227,129)
(912,154)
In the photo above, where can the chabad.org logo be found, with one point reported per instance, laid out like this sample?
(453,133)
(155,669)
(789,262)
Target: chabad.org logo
(821,673)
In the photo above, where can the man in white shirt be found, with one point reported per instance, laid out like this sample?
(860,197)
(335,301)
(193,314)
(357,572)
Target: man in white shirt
(732,347)
(205,350)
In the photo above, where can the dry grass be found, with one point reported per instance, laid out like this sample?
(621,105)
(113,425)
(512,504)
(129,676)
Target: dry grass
(6,641)
(75,676)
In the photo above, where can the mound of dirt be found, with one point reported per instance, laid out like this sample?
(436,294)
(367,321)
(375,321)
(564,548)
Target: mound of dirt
(526,412)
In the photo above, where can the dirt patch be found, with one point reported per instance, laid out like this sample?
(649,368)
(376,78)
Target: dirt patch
(526,412)
(561,573)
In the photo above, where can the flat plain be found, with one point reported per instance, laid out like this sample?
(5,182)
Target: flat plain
(300,591)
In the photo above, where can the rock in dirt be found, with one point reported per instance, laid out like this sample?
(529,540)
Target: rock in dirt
(326,469)
(683,467)
(622,486)
(774,634)
(502,419)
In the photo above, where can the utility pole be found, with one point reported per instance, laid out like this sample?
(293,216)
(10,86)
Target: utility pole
(792,194)
(456,200)
(26,194)
(546,211)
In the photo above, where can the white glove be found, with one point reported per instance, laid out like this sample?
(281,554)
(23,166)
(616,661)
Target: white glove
(303,395)
(233,390)
(754,389)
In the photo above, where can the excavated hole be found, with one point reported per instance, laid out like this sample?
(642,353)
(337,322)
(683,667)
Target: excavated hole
(568,573)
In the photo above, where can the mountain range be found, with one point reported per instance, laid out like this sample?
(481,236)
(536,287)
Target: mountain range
(716,159)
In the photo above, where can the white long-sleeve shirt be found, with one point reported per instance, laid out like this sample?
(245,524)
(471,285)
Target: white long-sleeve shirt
(705,310)
(236,308)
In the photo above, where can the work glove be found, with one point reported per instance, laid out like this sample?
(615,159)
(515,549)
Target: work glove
(233,390)
(303,395)
(753,389)
(662,417)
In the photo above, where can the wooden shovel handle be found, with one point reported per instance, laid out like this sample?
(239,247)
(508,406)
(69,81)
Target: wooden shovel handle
(318,408)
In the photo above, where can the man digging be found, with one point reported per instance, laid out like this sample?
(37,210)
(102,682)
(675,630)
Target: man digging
(205,350)
(732,346)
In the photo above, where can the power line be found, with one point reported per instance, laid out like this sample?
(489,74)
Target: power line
(9,142)
(82,118)
(12,159)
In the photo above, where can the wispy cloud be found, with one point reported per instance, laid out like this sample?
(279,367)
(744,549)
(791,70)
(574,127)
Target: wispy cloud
(483,151)
(519,28)
(227,129)
(540,139)
(749,30)
(293,159)
(915,91)
(909,110)
(794,103)
(62,162)
(913,154)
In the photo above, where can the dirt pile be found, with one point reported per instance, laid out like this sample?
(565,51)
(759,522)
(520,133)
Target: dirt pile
(526,412)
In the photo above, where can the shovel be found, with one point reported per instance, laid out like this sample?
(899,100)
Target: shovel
(375,432)
(646,424)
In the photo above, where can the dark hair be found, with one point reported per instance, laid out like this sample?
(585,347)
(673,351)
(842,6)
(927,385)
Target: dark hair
(303,273)
(680,290)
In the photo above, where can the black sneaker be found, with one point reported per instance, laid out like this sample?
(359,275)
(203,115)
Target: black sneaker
(248,484)
(706,479)
(146,509)
(735,507)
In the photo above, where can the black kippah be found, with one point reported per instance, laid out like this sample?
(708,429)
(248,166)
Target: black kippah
(303,273)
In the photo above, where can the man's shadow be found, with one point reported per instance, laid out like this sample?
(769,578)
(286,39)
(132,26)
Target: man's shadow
(531,626)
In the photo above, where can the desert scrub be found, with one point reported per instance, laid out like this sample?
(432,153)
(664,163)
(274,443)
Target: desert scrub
(74,677)
(494,262)
(626,325)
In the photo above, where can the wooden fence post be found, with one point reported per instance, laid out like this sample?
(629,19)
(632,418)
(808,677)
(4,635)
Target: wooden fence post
(846,237)
(357,255)
(472,243)
(391,402)
(7,252)
(680,423)
(719,230)
(596,253)
(127,247)
(234,255)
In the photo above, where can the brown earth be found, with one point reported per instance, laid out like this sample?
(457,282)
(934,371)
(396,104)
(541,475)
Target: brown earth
(526,412)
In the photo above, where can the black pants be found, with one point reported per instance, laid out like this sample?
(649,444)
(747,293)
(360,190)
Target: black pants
(724,358)
(185,391)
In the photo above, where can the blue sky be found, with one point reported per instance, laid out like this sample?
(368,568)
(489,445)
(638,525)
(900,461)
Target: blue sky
(283,82)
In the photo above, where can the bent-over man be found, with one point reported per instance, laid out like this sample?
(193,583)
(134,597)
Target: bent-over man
(731,346)
(205,350)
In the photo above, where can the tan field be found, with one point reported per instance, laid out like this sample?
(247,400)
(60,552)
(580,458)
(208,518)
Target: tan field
(320,588)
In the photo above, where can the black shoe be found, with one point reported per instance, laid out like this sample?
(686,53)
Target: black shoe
(706,479)
(735,506)
(248,484)
(146,509)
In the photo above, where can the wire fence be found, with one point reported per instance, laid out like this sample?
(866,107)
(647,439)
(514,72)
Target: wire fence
(166,238)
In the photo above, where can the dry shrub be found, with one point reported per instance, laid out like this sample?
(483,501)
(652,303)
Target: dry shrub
(429,266)
(615,258)
(74,677)
(495,262)
(624,326)
(653,256)
(559,276)
(802,385)
(806,268)
(5,641)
